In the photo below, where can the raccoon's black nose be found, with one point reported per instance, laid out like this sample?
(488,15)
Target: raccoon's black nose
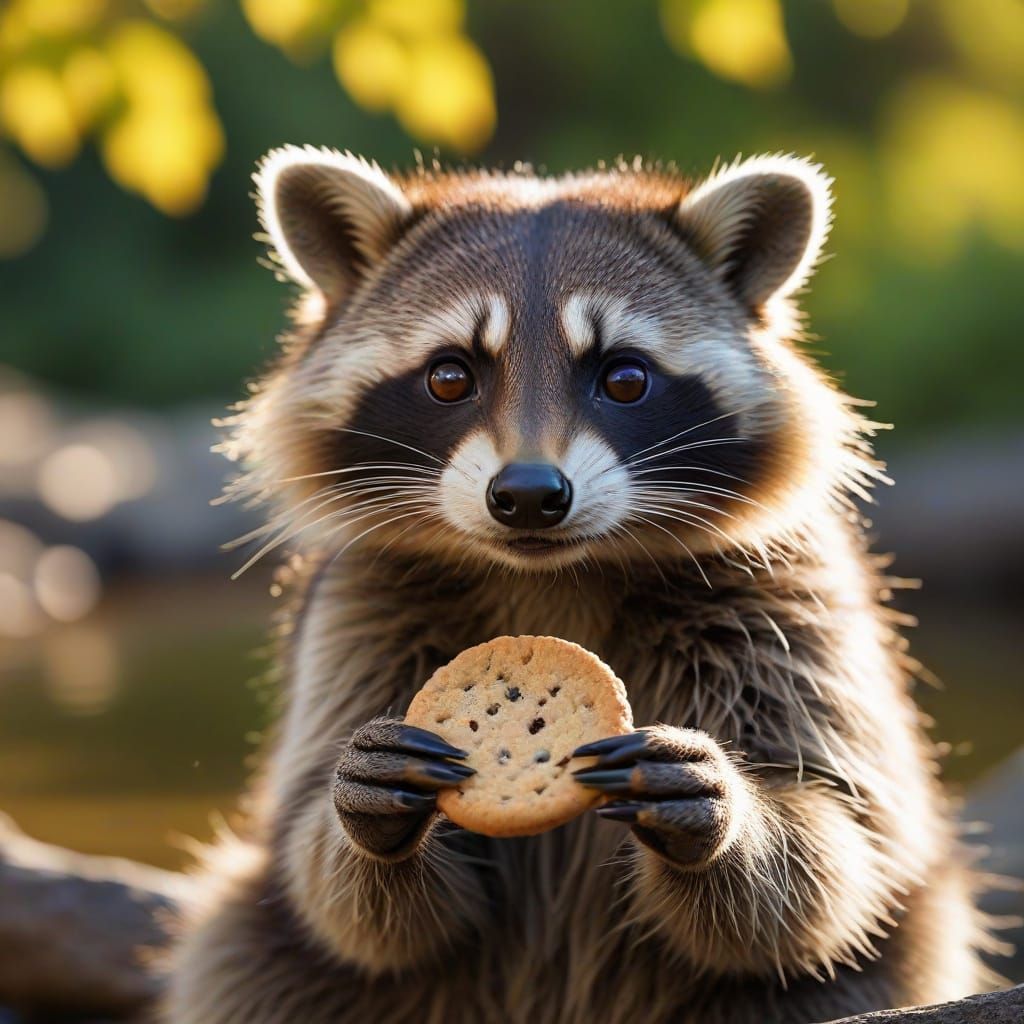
(529,495)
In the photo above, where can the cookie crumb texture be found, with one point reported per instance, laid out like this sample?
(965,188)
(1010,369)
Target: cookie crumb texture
(521,706)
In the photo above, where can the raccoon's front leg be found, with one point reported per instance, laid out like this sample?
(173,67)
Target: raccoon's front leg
(762,874)
(366,862)
(677,788)
(386,784)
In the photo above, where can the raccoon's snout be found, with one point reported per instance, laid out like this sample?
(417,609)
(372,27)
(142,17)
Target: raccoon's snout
(529,495)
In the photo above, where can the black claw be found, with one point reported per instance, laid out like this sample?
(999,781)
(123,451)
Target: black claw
(620,811)
(414,801)
(614,747)
(449,772)
(614,780)
(419,741)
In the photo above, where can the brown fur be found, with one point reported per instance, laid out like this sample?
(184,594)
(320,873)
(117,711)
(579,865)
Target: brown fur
(839,887)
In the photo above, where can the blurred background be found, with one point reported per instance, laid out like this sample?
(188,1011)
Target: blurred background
(133,308)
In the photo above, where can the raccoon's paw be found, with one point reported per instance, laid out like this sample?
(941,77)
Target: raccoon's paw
(386,783)
(676,787)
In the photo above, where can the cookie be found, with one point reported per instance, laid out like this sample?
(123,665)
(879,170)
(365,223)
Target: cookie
(521,706)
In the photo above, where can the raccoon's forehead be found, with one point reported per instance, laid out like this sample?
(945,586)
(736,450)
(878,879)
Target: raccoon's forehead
(560,279)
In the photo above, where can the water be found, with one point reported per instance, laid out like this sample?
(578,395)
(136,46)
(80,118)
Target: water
(130,731)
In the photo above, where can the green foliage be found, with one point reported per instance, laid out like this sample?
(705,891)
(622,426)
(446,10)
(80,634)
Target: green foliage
(923,129)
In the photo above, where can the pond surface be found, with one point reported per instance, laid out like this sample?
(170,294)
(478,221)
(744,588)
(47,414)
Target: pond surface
(130,731)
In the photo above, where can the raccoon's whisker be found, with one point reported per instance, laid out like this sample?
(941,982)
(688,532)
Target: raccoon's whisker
(345,488)
(690,518)
(646,551)
(369,485)
(710,443)
(371,529)
(671,500)
(286,522)
(616,543)
(678,540)
(688,430)
(432,514)
(287,534)
(336,491)
(700,469)
(667,490)
(358,467)
(402,444)
(389,440)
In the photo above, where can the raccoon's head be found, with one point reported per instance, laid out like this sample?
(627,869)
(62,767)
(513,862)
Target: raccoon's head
(502,368)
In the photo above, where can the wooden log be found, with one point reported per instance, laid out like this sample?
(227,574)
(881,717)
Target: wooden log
(1005,1007)
(76,930)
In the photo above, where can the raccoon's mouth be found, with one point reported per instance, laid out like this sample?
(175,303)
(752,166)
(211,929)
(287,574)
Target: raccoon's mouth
(532,545)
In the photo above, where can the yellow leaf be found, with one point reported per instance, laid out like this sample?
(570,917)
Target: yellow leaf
(288,24)
(37,114)
(448,97)
(741,40)
(418,17)
(871,19)
(156,68)
(371,64)
(60,17)
(166,155)
(90,84)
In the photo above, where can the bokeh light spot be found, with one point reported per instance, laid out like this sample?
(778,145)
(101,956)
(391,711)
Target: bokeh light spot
(128,452)
(67,583)
(78,482)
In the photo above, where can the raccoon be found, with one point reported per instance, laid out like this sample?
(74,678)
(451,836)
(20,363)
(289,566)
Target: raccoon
(574,406)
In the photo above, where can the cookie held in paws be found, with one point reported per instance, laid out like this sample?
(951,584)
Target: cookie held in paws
(521,706)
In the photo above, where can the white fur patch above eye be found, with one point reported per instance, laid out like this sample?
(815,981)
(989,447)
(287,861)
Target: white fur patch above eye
(496,326)
(589,317)
(457,323)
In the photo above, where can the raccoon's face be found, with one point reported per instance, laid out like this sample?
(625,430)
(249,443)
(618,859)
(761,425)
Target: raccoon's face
(539,372)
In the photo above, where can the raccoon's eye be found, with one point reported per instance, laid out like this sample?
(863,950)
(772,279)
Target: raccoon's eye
(449,381)
(625,382)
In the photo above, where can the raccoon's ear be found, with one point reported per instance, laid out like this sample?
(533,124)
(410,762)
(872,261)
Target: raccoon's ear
(760,224)
(331,216)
